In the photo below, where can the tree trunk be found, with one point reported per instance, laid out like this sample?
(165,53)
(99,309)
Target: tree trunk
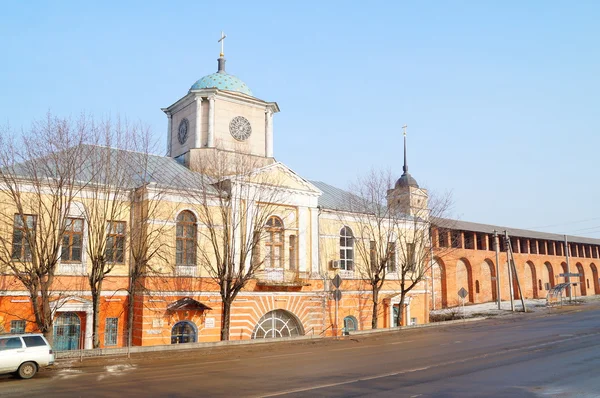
(225,319)
(375,316)
(401,310)
(130,309)
(95,317)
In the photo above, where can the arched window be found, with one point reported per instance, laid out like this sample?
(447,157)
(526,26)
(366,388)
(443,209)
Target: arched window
(186,239)
(277,323)
(274,243)
(183,332)
(346,249)
(350,324)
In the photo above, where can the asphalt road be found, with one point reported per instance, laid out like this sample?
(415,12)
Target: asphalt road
(533,355)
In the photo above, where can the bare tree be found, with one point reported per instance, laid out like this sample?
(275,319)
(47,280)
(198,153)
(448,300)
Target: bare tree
(415,244)
(391,243)
(149,251)
(107,206)
(376,240)
(40,175)
(235,195)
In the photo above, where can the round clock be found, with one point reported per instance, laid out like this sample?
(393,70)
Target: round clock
(182,134)
(240,128)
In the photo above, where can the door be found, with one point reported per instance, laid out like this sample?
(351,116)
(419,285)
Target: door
(11,353)
(67,331)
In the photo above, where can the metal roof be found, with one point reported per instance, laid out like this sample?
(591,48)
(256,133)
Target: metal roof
(522,233)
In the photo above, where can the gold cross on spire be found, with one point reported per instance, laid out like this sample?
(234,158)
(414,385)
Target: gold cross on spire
(222,41)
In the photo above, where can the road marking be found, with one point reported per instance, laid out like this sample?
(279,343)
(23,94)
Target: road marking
(286,355)
(384,375)
(353,348)
(402,342)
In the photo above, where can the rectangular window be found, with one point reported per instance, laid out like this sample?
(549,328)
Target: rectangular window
(373,255)
(17,327)
(111,331)
(550,248)
(491,243)
(10,343)
(542,246)
(502,243)
(469,241)
(34,341)
(72,241)
(115,242)
(24,227)
(293,252)
(456,239)
(524,246)
(481,242)
(514,245)
(443,238)
(391,261)
(532,246)
(559,249)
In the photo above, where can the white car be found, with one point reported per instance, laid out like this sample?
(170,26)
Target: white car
(24,354)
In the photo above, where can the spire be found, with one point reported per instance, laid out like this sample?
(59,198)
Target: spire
(405,168)
(221,60)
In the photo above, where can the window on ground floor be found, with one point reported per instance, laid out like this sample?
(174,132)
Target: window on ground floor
(111,331)
(17,327)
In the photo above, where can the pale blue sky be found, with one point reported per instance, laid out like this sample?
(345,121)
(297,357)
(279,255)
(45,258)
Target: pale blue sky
(501,98)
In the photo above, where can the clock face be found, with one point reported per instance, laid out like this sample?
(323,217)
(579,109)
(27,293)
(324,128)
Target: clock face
(240,128)
(182,134)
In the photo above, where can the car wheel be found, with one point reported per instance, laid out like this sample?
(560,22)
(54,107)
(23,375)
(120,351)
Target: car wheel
(27,370)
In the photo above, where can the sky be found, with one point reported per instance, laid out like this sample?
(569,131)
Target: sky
(501,98)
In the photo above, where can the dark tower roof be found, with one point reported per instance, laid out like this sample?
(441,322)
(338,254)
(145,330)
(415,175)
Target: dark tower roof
(406,180)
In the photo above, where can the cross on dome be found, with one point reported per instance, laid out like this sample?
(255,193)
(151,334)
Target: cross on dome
(222,41)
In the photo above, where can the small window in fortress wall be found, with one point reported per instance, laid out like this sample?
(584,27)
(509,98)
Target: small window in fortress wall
(532,246)
(559,249)
(523,248)
(469,241)
(595,251)
(491,242)
(443,238)
(481,242)
(550,248)
(456,239)
(542,246)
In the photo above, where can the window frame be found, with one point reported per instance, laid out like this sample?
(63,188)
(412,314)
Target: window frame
(24,246)
(66,252)
(19,329)
(275,239)
(113,234)
(187,239)
(111,331)
(346,249)
(392,264)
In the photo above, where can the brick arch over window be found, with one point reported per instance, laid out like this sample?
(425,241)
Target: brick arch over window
(439,284)
(487,272)
(464,277)
(595,278)
(582,286)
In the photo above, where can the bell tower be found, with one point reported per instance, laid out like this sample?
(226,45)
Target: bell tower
(407,197)
(220,113)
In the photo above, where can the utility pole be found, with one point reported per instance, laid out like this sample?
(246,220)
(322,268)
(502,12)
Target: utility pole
(568,278)
(498,293)
(510,276)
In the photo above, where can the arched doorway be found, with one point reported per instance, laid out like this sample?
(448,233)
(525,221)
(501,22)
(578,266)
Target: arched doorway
(184,332)
(67,332)
(547,277)
(350,324)
(531,285)
(277,323)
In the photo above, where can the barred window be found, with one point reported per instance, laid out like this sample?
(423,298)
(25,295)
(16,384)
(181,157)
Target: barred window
(115,242)
(72,240)
(24,226)
(17,327)
(111,331)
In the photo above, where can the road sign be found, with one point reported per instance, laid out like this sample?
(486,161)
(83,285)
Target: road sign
(337,281)
(570,275)
(337,295)
(462,293)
